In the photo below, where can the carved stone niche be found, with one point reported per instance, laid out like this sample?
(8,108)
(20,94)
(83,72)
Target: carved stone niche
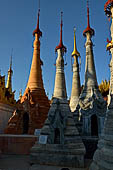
(57,126)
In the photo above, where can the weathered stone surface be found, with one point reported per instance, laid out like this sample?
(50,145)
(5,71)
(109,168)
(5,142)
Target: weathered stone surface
(103,157)
(57,155)
(5,113)
(92,107)
(60,85)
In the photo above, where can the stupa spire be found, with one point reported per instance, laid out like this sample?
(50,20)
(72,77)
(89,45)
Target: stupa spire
(37,30)
(88,14)
(90,72)
(91,97)
(75,52)
(103,156)
(61,46)
(76,78)
(88,29)
(9,79)
(11,62)
(35,88)
(60,87)
(35,79)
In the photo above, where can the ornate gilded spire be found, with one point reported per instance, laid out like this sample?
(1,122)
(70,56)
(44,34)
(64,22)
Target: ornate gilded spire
(75,93)
(9,79)
(88,29)
(61,46)
(75,52)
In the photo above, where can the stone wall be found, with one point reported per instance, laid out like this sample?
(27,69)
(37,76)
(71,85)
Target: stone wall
(16,144)
(5,113)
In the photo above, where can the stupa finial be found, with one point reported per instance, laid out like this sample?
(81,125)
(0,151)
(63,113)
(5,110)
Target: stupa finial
(88,29)
(37,30)
(75,52)
(61,46)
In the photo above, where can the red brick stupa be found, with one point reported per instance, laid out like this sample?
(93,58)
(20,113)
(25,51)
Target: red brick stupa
(39,103)
(34,105)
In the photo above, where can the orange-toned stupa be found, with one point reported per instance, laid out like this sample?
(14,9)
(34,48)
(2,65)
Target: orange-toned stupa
(34,104)
(39,103)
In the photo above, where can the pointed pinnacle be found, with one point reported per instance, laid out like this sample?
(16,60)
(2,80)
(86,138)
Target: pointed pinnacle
(37,30)
(61,46)
(75,52)
(88,24)
(88,29)
(10,67)
(61,28)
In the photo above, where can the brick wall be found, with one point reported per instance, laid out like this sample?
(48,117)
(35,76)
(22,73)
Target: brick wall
(16,144)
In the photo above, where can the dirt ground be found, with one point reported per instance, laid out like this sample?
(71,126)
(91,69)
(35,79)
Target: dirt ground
(21,162)
(14,162)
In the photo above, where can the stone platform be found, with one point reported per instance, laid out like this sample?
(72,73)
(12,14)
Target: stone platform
(64,146)
(58,155)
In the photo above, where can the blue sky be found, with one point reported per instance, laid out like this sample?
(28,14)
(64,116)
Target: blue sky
(18,19)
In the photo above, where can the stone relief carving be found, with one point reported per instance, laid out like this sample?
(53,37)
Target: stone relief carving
(57,122)
(93,103)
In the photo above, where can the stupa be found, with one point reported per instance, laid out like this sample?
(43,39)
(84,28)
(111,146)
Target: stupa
(92,105)
(7,99)
(103,157)
(59,141)
(9,79)
(34,104)
(76,88)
